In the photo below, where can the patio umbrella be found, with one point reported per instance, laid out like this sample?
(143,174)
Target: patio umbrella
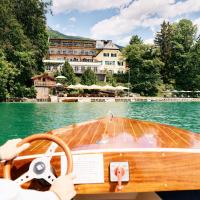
(78,87)
(60,77)
(107,87)
(70,87)
(59,85)
(121,88)
(94,87)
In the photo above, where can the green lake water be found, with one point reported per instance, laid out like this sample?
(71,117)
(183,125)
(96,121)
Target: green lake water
(23,119)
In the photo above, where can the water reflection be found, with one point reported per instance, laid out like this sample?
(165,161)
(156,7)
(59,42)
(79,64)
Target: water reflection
(20,120)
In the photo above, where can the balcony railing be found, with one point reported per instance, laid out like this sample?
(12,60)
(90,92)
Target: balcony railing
(44,84)
(81,71)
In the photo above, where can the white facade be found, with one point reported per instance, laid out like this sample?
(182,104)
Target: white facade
(108,59)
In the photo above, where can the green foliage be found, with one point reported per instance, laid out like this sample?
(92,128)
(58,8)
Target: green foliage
(121,77)
(110,79)
(144,67)
(163,40)
(68,72)
(88,77)
(190,73)
(23,91)
(135,39)
(8,74)
(180,53)
(182,44)
(23,38)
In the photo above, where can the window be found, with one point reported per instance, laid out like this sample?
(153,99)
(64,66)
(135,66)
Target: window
(82,69)
(95,69)
(76,68)
(77,44)
(75,52)
(91,45)
(68,44)
(109,62)
(70,51)
(48,68)
(106,54)
(113,55)
(75,59)
(120,63)
(91,52)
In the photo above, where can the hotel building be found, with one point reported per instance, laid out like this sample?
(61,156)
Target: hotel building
(101,56)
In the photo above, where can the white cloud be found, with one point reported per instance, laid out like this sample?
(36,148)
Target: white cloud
(149,41)
(143,13)
(132,14)
(197,23)
(60,6)
(72,19)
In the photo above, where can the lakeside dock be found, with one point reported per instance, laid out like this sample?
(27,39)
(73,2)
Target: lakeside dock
(56,99)
(123,99)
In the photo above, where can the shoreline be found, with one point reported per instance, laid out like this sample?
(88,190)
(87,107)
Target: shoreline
(55,99)
(126,99)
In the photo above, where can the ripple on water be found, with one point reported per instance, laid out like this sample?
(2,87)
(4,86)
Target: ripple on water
(22,119)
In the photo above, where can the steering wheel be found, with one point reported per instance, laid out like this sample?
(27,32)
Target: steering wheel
(40,168)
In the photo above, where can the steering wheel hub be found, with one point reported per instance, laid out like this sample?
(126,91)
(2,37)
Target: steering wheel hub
(39,167)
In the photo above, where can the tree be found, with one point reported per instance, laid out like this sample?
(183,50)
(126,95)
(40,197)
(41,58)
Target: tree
(8,74)
(163,40)
(176,43)
(23,37)
(190,76)
(68,72)
(135,39)
(88,77)
(183,40)
(31,15)
(144,67)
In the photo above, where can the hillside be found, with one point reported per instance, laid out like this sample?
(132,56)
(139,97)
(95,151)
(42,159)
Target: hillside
(55,34)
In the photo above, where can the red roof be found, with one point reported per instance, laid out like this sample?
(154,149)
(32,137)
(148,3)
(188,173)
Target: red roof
(45,75)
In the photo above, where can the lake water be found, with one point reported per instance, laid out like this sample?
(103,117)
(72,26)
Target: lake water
(23,119)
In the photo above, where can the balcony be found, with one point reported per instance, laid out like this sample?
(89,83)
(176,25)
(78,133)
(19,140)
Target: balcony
(44,84)
(81,71)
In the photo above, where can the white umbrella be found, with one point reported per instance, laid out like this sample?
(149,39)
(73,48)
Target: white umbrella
(77,87)
(121,88)
(70,87)
(94,87)
(107,87)
(60,77)
(80,86)
(59,85)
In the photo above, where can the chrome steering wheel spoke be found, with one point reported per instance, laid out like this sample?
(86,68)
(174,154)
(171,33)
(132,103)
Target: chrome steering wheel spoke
(49,177)
(24,178)
(51,150)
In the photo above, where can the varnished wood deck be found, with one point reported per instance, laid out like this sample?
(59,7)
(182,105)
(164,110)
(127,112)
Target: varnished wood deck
(160,157)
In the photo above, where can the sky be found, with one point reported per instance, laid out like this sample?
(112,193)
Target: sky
(118,20)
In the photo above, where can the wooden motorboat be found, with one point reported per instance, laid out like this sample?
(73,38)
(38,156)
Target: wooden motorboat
(114,155)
